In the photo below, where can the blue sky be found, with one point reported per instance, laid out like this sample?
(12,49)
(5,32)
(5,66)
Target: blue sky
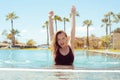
(33,13)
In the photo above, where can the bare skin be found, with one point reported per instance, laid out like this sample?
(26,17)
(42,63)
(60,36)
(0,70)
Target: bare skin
(61,38)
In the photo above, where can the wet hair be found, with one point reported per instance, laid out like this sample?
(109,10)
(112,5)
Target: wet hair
(55,45)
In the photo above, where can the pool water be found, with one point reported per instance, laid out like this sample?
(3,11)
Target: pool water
(44,59)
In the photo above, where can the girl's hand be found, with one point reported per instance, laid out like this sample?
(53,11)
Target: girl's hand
(73,10)
(51,13)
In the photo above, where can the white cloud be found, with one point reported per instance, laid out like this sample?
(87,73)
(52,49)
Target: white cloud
(42,31)
(82,30)
(24,31)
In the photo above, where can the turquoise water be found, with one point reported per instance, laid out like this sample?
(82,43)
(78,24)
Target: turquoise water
(43,59)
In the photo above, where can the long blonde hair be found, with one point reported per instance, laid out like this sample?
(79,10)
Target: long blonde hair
(55,45)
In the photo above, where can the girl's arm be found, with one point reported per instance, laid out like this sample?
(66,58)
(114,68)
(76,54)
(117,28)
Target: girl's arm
(72,37)
(50,24)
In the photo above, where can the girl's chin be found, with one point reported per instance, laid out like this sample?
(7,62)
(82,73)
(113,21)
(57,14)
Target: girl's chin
(62,46)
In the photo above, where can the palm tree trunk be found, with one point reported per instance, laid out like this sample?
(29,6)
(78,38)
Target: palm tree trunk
(106,29)
(47,36)
(12,24)
(87,38)
(64,25)
(110,29)
(110,25)
(12,41)
(56,24)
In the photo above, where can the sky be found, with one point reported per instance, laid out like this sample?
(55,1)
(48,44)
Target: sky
(33,13)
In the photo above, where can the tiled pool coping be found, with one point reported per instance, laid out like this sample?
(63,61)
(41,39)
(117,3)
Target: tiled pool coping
(108,53)
(58,74)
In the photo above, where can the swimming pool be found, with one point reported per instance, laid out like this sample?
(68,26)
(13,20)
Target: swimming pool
(43,59)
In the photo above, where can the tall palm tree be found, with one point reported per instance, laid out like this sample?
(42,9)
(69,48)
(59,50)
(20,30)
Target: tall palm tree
(57,18)
(46,25)
(11,16)
(110,16)
(117,18)
(87,23)
(65,20)
(105,22)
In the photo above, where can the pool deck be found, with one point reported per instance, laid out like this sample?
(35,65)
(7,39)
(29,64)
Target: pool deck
(107,53)
(57,74)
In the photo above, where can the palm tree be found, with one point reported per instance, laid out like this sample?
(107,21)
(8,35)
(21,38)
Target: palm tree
(108,16)
(11,16)
(87,23)
(14,33)
(105,21)
(65,20)
(117,18)
(118,15)
(11,34)
(46,25)
(56,17)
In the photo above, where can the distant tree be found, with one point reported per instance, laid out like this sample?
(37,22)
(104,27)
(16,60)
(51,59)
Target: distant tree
(118,15)
(30,42)
(105,22)
(108,16)
(88,23)
(117,30)
(57,18)
(14,34)
(11,34)
(46,26)
(65,20)
(105,41)
(11,16)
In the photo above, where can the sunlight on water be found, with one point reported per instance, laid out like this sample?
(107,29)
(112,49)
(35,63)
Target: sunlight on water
(43,59)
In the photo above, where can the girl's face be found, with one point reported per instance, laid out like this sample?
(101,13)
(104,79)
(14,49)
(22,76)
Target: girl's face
(62,40)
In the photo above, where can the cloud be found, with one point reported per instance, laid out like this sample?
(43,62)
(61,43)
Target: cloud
(43,30)
(82,30)
(24,31)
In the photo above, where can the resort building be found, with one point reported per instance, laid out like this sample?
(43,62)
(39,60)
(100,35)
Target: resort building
(116,40)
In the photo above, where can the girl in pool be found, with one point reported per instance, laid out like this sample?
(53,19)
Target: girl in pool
(62,49)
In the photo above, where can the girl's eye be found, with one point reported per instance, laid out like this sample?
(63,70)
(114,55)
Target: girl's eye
(63,38)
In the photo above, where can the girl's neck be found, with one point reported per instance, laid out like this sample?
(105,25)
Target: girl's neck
(64,47)
(64,51)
